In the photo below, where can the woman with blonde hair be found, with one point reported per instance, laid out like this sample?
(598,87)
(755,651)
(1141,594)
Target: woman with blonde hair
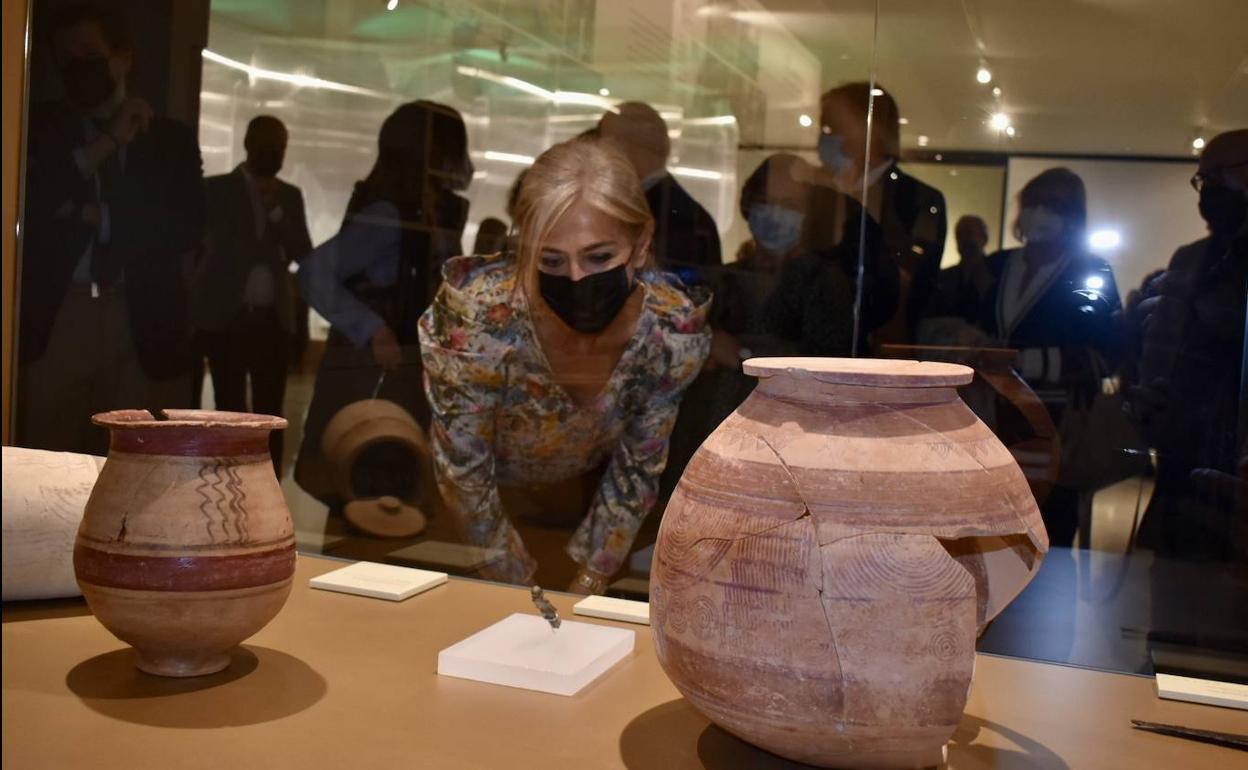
(554,375)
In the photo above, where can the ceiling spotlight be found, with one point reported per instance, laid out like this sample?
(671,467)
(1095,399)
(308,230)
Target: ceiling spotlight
(390,6)
(999,121)
(604,91)
(923,140)
(939,157)
(903,121)
(983,75)
(996,90)
(1198,143)
(1009,130)
(805,120)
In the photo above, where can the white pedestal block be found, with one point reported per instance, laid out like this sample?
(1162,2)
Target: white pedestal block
(379,581)
(610,608)
(524,651)
(1206,691)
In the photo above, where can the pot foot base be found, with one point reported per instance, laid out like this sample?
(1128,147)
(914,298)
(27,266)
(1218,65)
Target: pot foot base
(181,667)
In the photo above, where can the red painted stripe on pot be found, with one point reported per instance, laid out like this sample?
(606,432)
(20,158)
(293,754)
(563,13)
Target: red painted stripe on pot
(191,441)
(183,573)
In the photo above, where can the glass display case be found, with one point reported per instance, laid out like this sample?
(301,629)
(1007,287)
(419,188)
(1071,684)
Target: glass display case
(499,264)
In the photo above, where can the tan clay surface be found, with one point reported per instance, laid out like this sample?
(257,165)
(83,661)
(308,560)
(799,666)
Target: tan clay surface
(339,681)
(829,555)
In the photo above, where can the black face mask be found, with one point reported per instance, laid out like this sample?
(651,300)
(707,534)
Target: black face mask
(88,81)
(1223,208)
(265,163)
(590,304)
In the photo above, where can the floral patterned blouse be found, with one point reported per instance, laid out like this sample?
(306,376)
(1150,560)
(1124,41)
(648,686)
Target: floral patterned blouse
(500,418)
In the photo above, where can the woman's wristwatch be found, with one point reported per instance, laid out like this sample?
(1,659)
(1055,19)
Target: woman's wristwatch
(591,581)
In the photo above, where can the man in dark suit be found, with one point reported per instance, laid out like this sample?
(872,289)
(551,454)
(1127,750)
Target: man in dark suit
(244,305)
(911,215)
(684,233)
(113,218)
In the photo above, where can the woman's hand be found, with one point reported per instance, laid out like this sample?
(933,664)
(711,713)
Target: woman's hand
(386,350)
(588,583)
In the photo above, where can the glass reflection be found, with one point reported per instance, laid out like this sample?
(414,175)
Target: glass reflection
(370,164)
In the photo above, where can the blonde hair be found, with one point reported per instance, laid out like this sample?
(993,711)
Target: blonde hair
(587,168)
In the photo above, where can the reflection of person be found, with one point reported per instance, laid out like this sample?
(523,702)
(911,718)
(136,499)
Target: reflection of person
(114,214)
(774,201)
(1190,398)
(566,364)
(491,236)
(911,215)
(1057,305)
(812,305)
(376,276)
(243,305)
(959,290)
(684,233)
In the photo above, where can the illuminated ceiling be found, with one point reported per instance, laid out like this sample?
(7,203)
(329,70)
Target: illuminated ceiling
(1141,77)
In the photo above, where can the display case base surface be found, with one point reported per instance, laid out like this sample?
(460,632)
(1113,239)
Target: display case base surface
(524,651)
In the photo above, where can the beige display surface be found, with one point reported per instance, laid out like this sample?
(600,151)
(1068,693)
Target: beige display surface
(344,681)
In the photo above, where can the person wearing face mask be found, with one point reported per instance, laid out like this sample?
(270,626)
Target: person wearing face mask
(374,278)
(112,221)
(1059,307)
(809,302)
(243,307)
(910,214)
(774,200)
(1190,397)
(555,376)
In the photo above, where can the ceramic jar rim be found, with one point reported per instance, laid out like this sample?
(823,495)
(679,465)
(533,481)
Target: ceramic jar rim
(874,372)
(124,419)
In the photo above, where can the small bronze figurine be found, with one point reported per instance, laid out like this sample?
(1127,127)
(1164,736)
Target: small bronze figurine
(545,607)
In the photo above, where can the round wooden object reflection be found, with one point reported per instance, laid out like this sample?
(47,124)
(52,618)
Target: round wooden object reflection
(350,435)
(831,552)
(385,517)
(186,547)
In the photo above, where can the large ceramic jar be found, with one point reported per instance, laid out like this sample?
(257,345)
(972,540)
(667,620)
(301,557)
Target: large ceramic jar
(830,554)
(186,547)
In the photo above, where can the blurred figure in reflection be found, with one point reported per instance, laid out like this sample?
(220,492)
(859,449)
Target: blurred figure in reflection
(1190,398)
(684,233)
(1058,306)
(491,236)
(113,219)
(377,275)
(774,202)
(951,310)
(554,378)
(910,214)
(812,305)
(1134,311)
(244,307)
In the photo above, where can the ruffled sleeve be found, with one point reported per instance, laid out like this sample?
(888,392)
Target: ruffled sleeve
(465,347)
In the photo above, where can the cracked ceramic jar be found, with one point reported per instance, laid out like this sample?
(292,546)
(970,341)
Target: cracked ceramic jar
(186,547)
(830,555)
